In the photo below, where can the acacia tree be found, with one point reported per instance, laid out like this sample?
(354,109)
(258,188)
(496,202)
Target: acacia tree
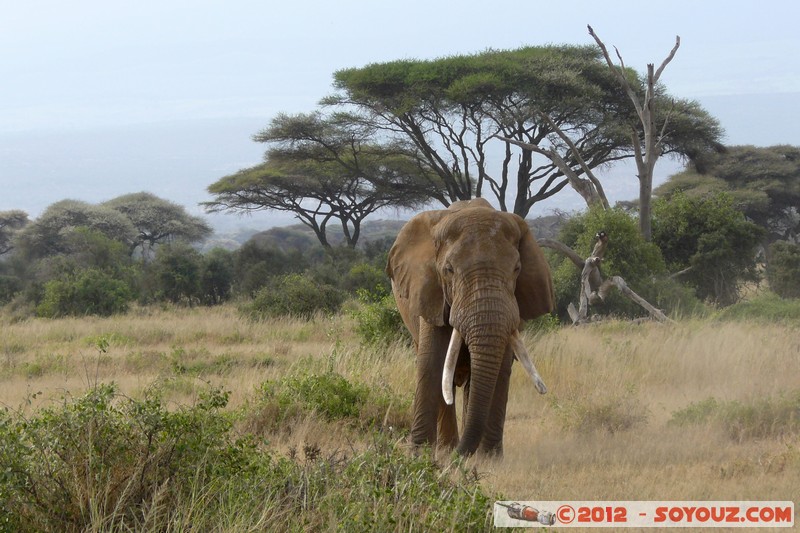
(560,102)
(49,234)
(326,169)
(10,223)
(157,221)
(764,183)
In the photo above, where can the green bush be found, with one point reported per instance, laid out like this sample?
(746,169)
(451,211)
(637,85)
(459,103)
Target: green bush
(174,275)
(628,255)
(711,236)
(767,307)
(378,321)
(676,299)
(333,398)
(254,264)
(544,324)
(107,460)
(384,489)
(9,286)
(364,276)
(783,269)
(294,295)
(216,276)
(87,292)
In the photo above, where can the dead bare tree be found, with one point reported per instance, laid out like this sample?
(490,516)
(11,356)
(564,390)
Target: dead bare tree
(647,149)
(594,290)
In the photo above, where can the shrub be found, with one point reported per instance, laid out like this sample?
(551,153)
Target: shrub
(767,307)
(104,462)
(362,494)
(174,275)
(711,236)
(9,286)
(103,459)
(544,324)
(294,295)
(87,292)
(364,276)
(628,255)
(783,269)
(378,321)
(331,397)
(255,263)
(216,276)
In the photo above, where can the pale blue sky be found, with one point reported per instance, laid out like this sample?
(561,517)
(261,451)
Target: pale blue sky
(83,81)
(98,62)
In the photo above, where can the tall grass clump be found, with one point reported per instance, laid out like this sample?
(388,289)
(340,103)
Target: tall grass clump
(385,489)
(610,415)
(745,420)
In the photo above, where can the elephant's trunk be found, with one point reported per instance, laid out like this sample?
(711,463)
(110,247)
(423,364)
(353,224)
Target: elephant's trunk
(486,360)
(487,319)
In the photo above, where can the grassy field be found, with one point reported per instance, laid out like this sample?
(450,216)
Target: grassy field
(698,410)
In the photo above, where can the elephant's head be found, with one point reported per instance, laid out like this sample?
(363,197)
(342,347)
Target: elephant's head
(480,272)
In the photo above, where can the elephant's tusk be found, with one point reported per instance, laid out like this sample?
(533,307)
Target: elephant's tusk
(522,354)
(449,371)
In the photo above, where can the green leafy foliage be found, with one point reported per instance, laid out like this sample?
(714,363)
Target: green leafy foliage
(216,276)
(105,462)
(331,397)
(384,489)
(713,238)
(378,321)
(158,221)
(101,458)
(764,183)
(86,292)
(255,263)
(293,295)
(174,275)
(783,269)
(628,255)
(766,308)
(48,235)
(501,93)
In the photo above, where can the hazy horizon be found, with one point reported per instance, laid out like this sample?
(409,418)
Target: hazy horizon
(102,100)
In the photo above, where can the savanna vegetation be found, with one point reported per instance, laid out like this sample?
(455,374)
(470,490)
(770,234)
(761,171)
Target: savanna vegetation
(190,419)
(149,383)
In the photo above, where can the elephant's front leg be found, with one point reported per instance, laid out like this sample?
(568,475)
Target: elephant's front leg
(430,410)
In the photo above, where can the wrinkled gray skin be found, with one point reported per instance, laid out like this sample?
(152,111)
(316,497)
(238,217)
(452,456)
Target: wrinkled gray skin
(480,271)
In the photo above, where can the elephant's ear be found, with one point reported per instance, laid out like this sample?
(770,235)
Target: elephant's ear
(534,292)
(412,269)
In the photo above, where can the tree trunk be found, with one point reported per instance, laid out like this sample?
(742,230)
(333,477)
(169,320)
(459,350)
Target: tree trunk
(646,155)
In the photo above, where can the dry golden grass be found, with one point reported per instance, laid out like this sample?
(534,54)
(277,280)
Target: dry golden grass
(601,433)
(646,373)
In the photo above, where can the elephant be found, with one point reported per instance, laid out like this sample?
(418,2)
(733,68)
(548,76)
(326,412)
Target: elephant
(464,279)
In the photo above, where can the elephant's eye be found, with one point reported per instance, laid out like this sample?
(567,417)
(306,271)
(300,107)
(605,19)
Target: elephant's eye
(448,268)
(517,268)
